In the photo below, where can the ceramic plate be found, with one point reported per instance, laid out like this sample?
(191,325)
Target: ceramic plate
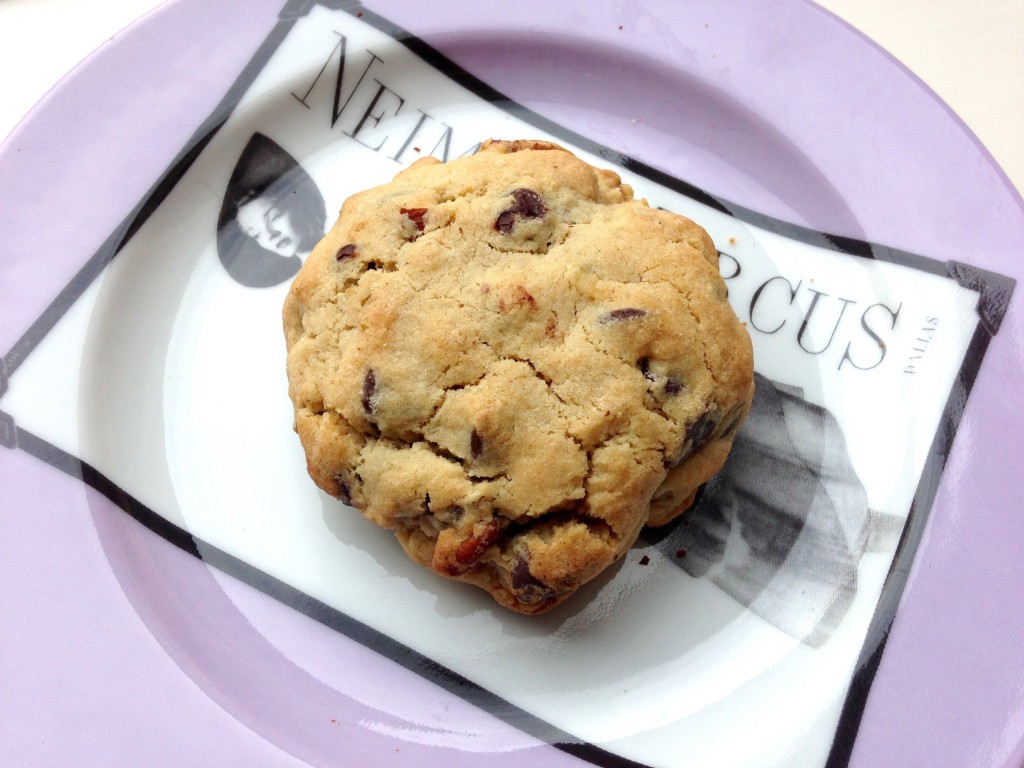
(172,563)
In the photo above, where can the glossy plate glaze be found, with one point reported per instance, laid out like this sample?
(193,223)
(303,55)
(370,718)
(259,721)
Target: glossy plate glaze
(780,110)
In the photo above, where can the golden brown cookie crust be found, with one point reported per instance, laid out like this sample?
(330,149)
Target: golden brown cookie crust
(506,357)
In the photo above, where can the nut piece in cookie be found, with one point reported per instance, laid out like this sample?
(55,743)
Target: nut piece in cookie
(515,365)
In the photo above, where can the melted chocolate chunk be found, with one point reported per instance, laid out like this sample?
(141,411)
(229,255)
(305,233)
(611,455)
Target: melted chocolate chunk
(673,386)
(346,252)
(369,388)
(506,220)
(625,313)
(645,368)
(524,581)
(700,431)
(416,216)
(343,491)
(476,444)
(527,204)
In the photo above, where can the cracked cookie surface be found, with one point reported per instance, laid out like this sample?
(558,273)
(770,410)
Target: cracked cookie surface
(514,365)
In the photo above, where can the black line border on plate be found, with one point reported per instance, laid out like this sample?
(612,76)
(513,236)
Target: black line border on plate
(317,610)
(995,292)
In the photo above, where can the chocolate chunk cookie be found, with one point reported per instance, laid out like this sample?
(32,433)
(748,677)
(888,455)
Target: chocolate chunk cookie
(515,366)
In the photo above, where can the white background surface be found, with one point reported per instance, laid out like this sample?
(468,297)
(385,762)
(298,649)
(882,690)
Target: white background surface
(970,52)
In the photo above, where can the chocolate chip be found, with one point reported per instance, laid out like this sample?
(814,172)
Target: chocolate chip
(416,216)
(523,580)
(673,386)
(506,220)
(700,431)
(625,313)
(476,444)
(369,388)
(346,252)
(527,204)
(645,368)
(645,560)
(680,553)
(343,491)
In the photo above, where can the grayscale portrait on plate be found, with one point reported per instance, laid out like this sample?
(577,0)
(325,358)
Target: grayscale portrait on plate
(271,216)
(783,527)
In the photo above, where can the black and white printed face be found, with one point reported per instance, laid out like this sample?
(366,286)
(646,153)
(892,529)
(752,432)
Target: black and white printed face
(271,215)
(269,226)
